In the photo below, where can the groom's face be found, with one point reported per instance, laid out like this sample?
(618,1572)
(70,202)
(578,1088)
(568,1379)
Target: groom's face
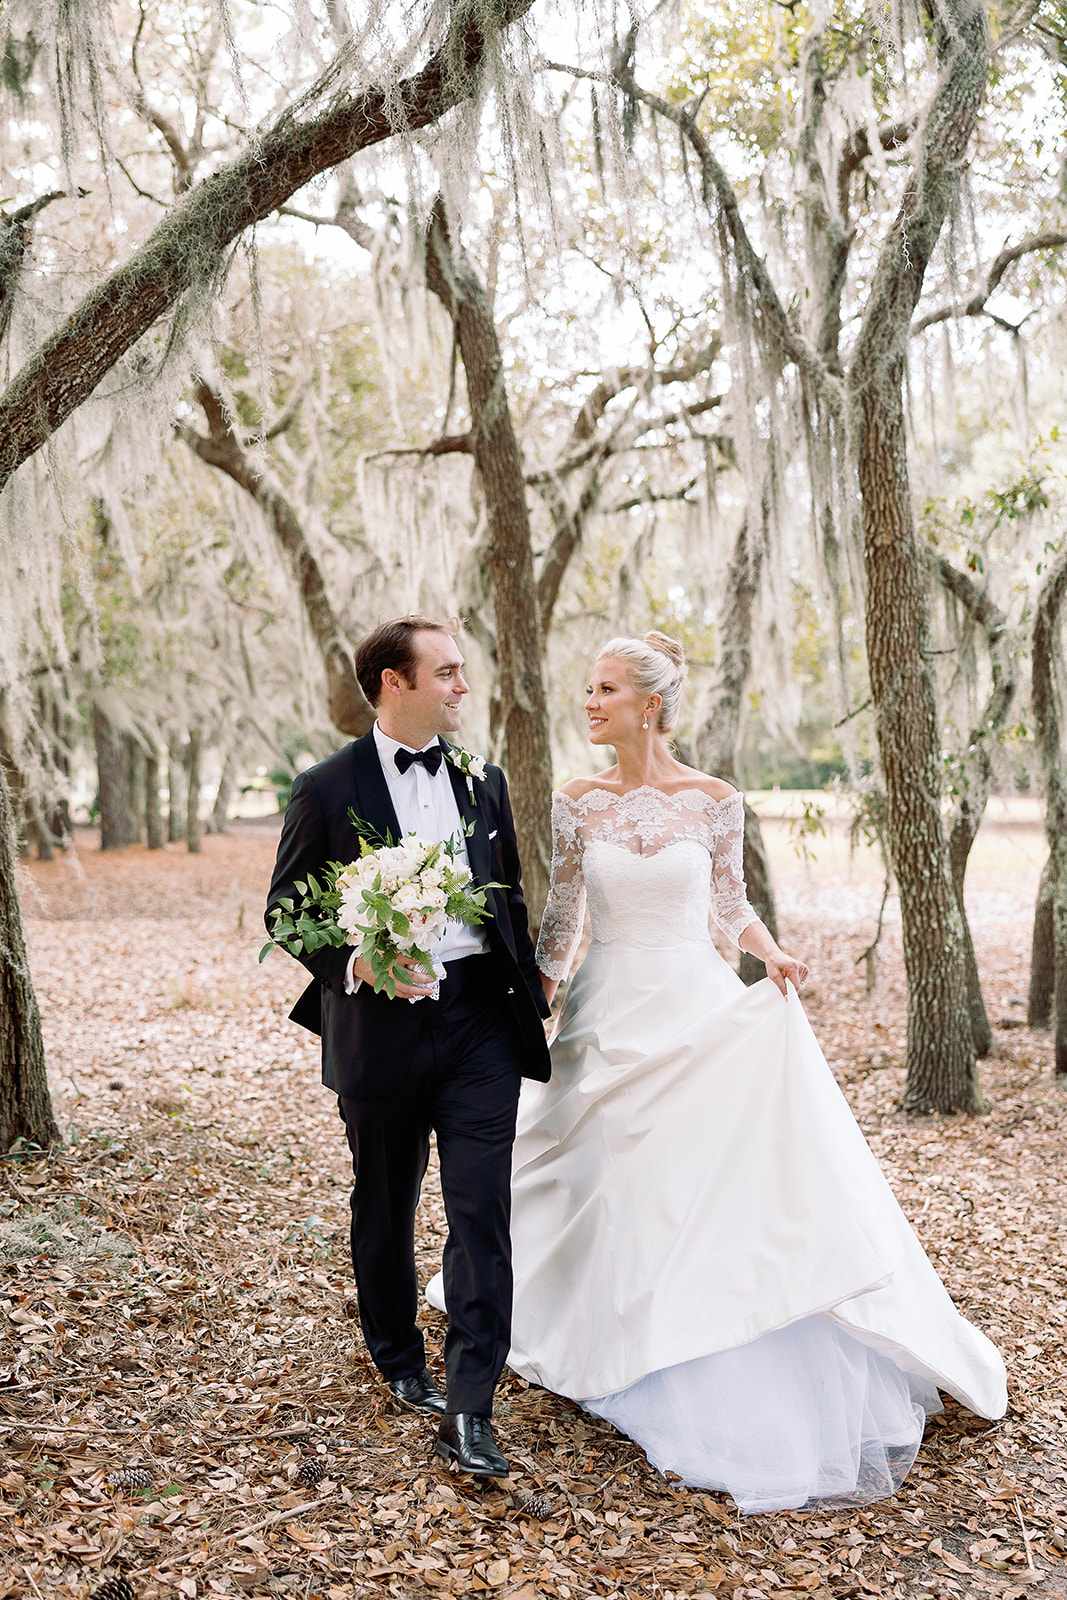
(431,703)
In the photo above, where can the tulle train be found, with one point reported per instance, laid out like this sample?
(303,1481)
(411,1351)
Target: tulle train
(803,1413)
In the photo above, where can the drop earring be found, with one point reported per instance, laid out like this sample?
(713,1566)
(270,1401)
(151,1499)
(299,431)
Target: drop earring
(644,722)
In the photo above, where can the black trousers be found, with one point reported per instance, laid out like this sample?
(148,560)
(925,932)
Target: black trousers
(462,1082)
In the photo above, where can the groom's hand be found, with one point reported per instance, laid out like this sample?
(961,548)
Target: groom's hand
(415,986)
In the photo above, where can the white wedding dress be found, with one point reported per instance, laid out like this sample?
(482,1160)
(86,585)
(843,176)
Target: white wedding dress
(706,1252)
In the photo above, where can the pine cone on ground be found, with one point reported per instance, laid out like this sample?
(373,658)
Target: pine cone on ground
(311,1470)
(113,1589)
(129,1478)
(535,1505)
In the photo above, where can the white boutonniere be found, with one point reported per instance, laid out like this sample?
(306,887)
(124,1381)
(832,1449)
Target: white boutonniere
(471,766)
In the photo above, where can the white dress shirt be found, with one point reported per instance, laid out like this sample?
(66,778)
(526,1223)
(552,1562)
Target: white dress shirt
(426,806)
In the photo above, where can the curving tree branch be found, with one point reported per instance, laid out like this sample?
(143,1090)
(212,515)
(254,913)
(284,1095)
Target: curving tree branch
(348,706)
(189,245)
(1052,239)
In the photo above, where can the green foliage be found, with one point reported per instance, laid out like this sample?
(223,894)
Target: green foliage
(811,824)
(355,905)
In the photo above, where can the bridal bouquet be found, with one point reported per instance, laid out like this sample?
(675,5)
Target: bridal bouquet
(394,901)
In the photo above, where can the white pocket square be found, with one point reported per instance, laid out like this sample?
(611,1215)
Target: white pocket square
(493,833)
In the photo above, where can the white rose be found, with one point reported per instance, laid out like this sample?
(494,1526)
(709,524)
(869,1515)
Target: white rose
(426,928)
(477,766)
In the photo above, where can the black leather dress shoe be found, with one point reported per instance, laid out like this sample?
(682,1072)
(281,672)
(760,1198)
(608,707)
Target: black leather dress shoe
(467,1439)
(420,1392)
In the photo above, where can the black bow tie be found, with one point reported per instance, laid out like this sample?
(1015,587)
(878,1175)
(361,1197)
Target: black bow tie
(431,759)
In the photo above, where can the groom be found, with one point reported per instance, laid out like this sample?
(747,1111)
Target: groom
(403,1067)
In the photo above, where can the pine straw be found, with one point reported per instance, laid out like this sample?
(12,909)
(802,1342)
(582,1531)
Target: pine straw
(177,1297)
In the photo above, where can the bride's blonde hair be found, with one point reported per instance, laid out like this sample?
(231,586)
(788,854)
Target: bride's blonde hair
(657,666)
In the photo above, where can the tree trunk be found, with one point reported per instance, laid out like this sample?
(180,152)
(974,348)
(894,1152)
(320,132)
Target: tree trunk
(348,706)
(175,788)
(39,832)
(1042,954)
(188,247)
(941,1073)
(192,811)
(509,556)
(227,776)
(152,816)
(113,782)
(135,764)
(1054,771)
(977,778)
(720,724)
(959,848)
(25,1103)
(760,893)
(940,1050)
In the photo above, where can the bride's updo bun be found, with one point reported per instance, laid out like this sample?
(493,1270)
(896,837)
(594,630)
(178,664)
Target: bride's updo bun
(657,666)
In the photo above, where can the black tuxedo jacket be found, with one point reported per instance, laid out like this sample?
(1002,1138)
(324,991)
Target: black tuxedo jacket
(367,1038)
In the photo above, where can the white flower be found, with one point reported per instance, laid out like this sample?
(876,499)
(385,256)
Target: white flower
(471,766)
(407,899)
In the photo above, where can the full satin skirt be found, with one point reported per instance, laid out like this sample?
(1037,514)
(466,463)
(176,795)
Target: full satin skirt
(707,1253)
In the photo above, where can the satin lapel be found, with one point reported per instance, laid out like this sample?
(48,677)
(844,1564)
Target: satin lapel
(373,802)
(478,852)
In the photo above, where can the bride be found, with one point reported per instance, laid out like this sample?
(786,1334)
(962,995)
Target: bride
(706,1252)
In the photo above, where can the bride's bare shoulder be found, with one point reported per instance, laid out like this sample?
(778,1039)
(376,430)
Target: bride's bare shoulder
(714,788)
(578,788)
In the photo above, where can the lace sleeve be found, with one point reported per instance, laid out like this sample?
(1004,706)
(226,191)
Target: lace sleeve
(729,906)
(561,926)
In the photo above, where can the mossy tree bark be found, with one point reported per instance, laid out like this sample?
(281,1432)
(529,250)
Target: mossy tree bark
(940,1049)
(523,710)
(720,722)
(1054,772)
(25,1103)
(349,708)
(188,247)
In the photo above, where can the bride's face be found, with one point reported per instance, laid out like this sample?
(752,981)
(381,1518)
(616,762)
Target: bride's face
(614,707)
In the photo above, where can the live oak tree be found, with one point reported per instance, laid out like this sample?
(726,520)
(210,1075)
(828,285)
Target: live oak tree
(851,397)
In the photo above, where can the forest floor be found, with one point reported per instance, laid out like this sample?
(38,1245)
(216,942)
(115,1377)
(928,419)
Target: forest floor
(176,1300)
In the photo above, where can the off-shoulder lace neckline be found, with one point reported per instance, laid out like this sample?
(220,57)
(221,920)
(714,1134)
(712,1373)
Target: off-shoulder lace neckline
(649,788)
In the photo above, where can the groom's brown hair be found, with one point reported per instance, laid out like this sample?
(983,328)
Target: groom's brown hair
(391,646)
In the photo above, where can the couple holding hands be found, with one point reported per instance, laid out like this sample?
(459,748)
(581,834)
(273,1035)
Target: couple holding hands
(678,1223)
